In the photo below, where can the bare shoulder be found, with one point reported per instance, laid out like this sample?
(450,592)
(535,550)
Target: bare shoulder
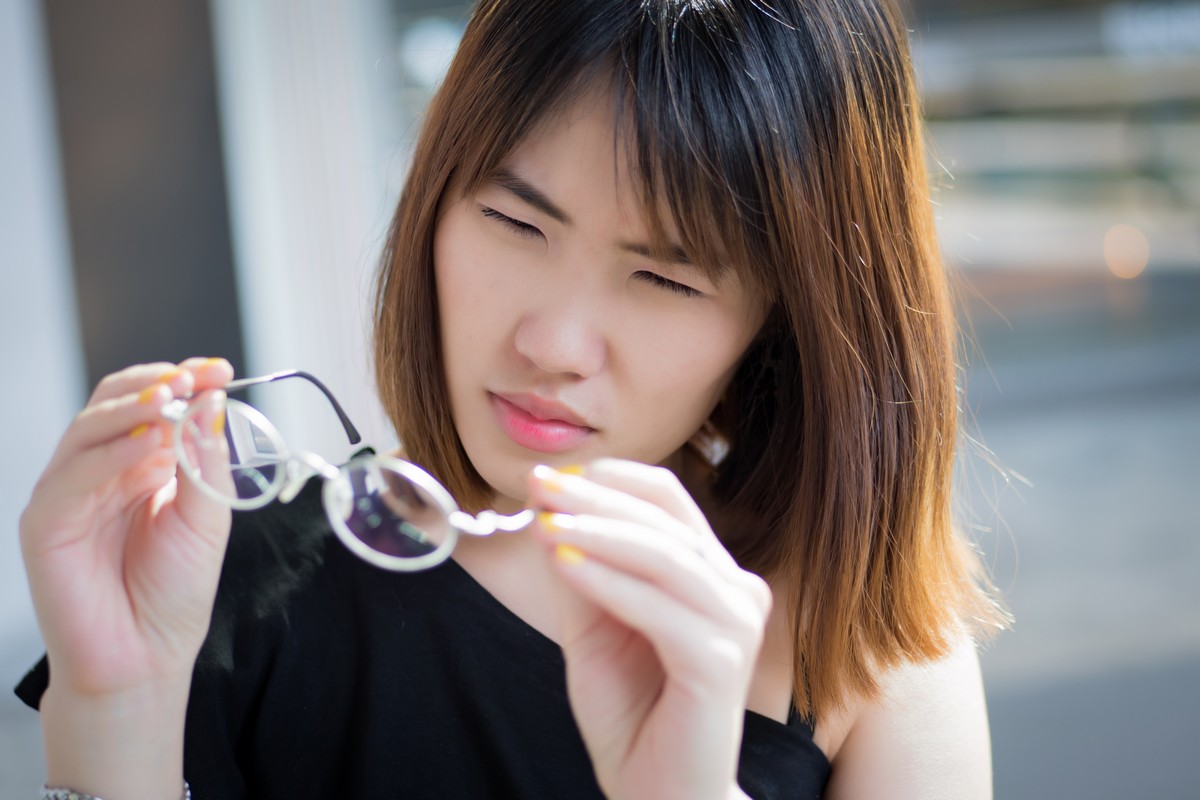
(926,737)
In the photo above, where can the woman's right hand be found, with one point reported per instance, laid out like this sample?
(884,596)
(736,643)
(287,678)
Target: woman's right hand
(123,552)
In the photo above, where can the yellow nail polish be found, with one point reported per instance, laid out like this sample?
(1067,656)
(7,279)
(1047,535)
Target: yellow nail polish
(569,554)
(554,522)
(167,377)
(550,479)
(148,394)
(140,430)
(572,469)
(218,424)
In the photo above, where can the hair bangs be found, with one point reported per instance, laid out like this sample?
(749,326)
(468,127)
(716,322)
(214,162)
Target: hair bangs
(705,142)
(518,82)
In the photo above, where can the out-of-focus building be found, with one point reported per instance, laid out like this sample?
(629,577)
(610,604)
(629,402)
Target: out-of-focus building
(1076,124)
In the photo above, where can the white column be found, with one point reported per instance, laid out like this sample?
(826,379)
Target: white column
(308,204)
(43,372)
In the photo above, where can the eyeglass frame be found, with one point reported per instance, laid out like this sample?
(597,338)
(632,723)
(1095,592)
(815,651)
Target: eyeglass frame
(299,468)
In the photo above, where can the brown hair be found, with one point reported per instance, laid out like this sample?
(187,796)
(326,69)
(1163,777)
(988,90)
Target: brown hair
(784,140)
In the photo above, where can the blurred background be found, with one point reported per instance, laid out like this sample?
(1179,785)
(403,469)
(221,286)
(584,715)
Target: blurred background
(216,177)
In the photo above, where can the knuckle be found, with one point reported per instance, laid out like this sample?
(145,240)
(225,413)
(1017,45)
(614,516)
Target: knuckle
(751,639)
(761,591)
(756,588)
(753,620)
(746,617)
(664,477)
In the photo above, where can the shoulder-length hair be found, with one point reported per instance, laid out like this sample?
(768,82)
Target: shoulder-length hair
(783,138)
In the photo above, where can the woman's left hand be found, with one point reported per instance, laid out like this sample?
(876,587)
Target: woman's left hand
(661,651)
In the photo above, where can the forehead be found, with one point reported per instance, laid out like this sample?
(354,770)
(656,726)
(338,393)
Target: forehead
(579,159)
(581,138)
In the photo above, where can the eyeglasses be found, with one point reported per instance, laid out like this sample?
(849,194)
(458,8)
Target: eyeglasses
(389,512)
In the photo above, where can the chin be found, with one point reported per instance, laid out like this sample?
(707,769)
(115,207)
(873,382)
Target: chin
(507,482)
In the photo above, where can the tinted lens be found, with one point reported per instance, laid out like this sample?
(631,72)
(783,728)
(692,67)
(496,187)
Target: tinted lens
(389,513)
(256,452)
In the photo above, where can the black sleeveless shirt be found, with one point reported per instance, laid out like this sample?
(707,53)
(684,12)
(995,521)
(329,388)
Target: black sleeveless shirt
(325,677)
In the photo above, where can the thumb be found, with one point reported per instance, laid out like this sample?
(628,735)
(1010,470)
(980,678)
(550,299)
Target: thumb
(203,468)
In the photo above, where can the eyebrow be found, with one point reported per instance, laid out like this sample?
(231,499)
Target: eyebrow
(507,180)
(525,191)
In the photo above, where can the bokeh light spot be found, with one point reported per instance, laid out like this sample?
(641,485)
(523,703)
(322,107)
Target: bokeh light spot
(1126,251)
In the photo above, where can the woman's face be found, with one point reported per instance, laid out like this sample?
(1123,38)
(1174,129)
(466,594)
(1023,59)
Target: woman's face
(563,340)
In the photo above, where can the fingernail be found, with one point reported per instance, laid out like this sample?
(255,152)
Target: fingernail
(140,430)
(569,554)
(167,377)
(217,399)
(147,395)
(553,523)
(572,469)
(213,362)
(550,479)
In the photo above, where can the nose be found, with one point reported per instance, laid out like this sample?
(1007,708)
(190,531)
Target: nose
(563,338)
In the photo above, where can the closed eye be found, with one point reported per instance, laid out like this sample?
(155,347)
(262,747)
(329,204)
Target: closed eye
(654,279)
(523,229)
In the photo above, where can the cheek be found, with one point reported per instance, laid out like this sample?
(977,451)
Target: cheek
(465,296)
(688,369)
(454,300)
(476,285)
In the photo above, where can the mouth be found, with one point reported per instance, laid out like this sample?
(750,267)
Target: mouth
(539,424)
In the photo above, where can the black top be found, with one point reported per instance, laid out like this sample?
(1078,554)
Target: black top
(325,677)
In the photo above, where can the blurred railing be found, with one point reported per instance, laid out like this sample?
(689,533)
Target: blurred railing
(1077,130)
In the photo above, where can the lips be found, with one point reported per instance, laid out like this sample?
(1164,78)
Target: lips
(539,424)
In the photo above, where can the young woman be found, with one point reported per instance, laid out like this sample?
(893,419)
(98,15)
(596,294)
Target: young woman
(664,273)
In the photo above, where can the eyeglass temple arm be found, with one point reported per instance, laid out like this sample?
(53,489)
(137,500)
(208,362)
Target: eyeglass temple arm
(242,383)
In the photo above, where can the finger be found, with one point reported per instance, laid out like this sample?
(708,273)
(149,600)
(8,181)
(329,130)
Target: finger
(210,373)
(690,645)
(79,477)
(572,494)
(674,566)
(188,376)
(653,484)
(96,424)
(208,463)
(133,379)
(128,415)
(557,491)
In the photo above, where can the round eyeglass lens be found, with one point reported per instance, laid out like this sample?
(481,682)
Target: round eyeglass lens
(389,514)
(256,453)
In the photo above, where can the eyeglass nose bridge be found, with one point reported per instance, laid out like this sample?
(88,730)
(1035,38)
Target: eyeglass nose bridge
(299,468)
(488,522)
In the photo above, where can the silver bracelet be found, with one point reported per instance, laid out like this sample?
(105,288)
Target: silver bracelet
(71,794)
